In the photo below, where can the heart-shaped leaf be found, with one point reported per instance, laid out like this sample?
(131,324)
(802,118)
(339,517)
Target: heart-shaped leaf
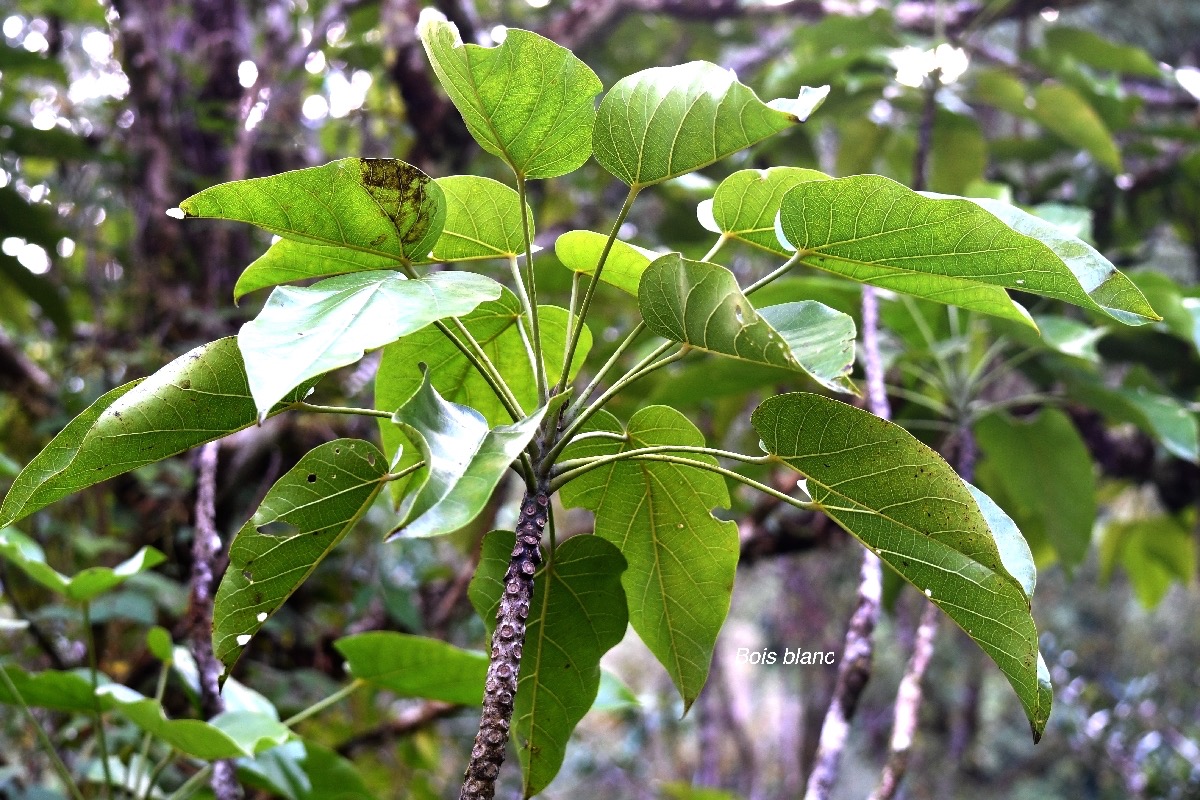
(681,559)
(578,614)
(464,460)
(483,220)
(380,206)
(303,332)
(415,666)
(528,101)
(579,251)
(950,250)
(303,517)
(200,396)
(905,503)
(28,556)
(746,203)
(668,121)
(700,304)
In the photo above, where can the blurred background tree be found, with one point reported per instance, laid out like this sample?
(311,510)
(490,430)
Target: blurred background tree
(1084,111)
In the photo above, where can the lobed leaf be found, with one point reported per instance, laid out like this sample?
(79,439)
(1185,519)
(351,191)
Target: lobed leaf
(200,396)
(528,101)
(303,332)
(379,206)
(681,559)
(578,614)
(302,518)
(28,556)
(664,122)
(415,666)
(905,503)
(701,305)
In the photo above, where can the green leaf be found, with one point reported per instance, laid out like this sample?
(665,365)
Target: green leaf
(303,517)
(905,503)
(287,261)
(51,689)
(579,251)
(464,460)
(483,220)
(700,304)
(302,770)
(681,559)
(1041,473)
(1154,552)
(1065,113)
(746,203)
(28,556)
(1096,51)
(228,735)
(577,615)
(379,206)
(1070,336)
(200,396)
(1111,292)
(1168,420)
(668,121)
(415,666)
(949,250)
(303,332)
(495,325)
(528,101)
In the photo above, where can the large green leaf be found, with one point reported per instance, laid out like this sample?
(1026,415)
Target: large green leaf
(200,396)
(950,250)
(700,304)
(577,615)
(1098,52)
(496,326)
(304,770)
(907,505)
(29,557)
(483,220)
(681,559)
(1168,420)
(464,460)
(415,666)
(303,517)
(746,203)
(1154,552)
(1064,112)
(528,101)
(227,735)
(303,332)
(52,689)
(668,121)
(1041,473)
(579,251)
(288,260)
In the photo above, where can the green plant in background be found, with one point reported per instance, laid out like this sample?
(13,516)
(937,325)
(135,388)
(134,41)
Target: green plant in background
(478,377)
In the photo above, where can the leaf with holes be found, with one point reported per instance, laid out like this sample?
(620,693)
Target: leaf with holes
(416,666)
(905,503)
(528,101)
(464,460)
(664,122)
(745,204)
(577,615)
(949,250)
(579,251)
(700,304)
(28,556)
(303,332)
(483,220)
(303,517)
(200,396)
(377,206)
(681,558)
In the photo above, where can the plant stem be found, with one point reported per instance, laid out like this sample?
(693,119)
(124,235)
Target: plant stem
(568,467)
(59,767)
(154,774)
(192,784)
(530,294)
(716,248)
(508,640)
(489,369)
(159,690)
(576,327)
(364,412)
(101,736)
(321,705)
(778,272)
(609,364)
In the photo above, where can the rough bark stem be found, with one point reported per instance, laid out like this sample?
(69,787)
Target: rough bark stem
(508,639)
